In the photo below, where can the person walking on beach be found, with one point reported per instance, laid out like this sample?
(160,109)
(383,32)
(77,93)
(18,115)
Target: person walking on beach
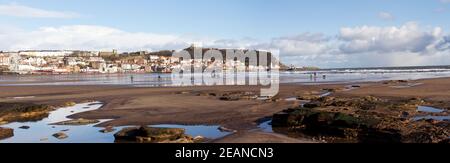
(132,79)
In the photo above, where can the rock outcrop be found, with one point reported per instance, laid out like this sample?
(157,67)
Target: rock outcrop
(152,135)
(365,119)
(108,129)
(6,133)
(60,135)
(23,112)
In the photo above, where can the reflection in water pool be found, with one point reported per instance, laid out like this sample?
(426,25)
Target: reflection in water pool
(266,126)
(438,118)
(428,109)
(41,131)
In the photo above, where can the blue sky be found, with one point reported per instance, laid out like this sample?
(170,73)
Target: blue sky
(236,18)
(241,23)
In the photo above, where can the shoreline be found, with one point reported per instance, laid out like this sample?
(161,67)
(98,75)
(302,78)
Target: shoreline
(180,105)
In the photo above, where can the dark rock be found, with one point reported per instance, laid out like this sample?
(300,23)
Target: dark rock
(446,141)
(24,127)
(311,105)
(149,135)
(361,119)
(309,97)
(96,103)
(329,89)
(23,112)
(199,139)
(6,133)
(418,137)
(379,136)
(108,129)
(129,133)
(368,106)
(405,114)
(202,94)
(395,81)
(229,98)
(371,99)
(280,119)
(60,135)
(238,95)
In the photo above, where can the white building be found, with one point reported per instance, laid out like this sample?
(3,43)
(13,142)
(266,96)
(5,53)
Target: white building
(5,59)
(23,69)
(34,61)
(111,68)
(46,53)
(154,58)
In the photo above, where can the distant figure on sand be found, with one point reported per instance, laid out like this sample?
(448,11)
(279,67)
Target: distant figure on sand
(132,79)
(214,73)
(324,77)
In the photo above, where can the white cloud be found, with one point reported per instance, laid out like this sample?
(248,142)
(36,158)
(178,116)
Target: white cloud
(405,45)
(408,38)
(85,37)
(17,10)
(306,44)
(386,16)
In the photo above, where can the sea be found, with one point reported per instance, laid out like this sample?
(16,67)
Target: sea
(323,76)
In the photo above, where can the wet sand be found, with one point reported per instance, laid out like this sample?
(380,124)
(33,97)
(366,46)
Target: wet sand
(151,106)
(259,137)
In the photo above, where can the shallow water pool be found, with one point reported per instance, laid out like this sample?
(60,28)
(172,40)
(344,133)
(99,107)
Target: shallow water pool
(42,131)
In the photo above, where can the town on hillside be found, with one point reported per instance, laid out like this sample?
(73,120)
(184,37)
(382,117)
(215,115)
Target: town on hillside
(75,61)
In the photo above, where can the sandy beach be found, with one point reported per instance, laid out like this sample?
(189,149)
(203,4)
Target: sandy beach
(201,105)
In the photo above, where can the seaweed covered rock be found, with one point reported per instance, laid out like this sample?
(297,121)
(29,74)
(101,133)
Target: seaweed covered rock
(152,135)
(60,135)
(363,119)
(6,133)
(238,95)
(23,112)
(107,129)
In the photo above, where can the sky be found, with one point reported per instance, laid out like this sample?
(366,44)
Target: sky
(324,33)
